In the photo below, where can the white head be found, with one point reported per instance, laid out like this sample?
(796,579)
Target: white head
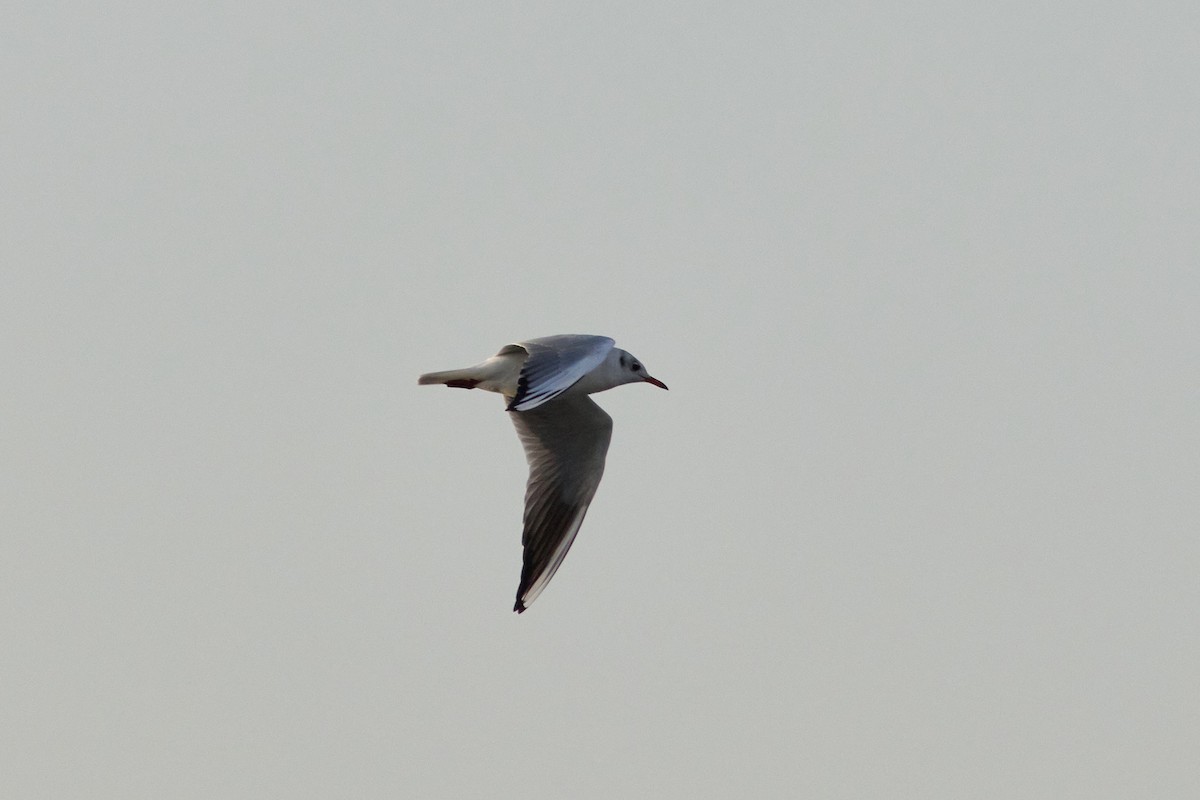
(617,368)
(631,369)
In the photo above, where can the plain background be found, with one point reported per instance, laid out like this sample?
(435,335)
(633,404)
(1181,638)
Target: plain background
(917,519)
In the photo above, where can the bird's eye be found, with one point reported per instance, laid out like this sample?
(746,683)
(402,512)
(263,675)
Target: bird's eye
(636,366)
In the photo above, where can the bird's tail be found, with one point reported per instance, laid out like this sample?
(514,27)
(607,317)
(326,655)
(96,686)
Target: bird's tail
(458,378)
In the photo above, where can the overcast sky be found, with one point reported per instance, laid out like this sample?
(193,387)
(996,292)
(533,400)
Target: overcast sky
(917,519)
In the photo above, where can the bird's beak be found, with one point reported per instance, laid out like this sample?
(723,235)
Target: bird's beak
(655,381)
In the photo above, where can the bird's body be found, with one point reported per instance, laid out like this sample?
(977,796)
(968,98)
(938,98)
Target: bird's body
(565,434)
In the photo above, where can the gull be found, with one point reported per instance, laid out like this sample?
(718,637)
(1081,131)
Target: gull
(565,434)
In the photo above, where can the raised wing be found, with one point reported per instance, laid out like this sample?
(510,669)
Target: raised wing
(565,444)
(554,365)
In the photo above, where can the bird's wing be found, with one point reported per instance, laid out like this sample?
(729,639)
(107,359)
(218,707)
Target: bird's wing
(554,365)
(565,443)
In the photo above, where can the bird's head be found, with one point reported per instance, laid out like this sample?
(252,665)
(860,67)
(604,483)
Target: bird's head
(633,370)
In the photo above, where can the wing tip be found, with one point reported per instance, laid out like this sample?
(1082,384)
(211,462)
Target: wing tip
(527,403)
(519,606)
(522,391)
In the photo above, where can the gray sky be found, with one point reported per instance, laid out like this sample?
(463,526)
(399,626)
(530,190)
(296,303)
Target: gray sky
(917,518)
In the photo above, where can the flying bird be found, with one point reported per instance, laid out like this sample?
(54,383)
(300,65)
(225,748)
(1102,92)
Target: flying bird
(565,434)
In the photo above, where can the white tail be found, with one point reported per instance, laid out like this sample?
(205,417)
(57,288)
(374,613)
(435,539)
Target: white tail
(459,378)
(498,374)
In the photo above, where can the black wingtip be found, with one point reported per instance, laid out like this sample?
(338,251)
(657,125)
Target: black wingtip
(519,607)
(522,391)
